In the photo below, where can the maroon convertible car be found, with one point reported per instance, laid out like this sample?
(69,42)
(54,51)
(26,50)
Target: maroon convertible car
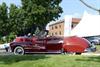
(50,44)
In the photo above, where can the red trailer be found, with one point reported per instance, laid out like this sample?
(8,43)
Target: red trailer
(51,44)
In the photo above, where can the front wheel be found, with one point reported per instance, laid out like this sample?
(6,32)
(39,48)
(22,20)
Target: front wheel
(19,50)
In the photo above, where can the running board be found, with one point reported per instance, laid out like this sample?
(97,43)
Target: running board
(44,52)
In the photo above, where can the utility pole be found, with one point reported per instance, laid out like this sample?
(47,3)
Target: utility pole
(91,7)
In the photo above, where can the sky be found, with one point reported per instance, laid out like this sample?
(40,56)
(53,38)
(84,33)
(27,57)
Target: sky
(76,8)
(70,7)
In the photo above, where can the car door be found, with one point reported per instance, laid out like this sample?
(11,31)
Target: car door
(54,44)
(39,45)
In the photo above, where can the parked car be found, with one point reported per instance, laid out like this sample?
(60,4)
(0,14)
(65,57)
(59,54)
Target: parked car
(50,44)
(95,40)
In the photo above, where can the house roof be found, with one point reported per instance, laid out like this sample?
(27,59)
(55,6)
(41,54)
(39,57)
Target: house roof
(74,20)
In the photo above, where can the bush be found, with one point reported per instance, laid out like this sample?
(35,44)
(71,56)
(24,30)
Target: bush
(8,38)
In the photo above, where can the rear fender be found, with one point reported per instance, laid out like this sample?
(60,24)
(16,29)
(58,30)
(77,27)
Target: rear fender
(75,44)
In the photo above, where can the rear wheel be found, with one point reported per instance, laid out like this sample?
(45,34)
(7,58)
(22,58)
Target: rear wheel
(62,51)
(19,50)
(78,53)
(93,43)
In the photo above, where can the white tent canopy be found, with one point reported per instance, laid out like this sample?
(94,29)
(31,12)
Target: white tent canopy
(88,26)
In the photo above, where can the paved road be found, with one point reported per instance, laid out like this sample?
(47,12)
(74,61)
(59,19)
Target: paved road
(91,54)
(3,52)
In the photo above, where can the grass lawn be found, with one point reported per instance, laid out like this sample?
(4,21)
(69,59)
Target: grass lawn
(98,47)
(49,61)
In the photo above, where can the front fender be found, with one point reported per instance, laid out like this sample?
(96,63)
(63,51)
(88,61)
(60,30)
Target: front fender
(25,45)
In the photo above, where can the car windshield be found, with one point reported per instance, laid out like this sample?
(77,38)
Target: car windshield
(42,33)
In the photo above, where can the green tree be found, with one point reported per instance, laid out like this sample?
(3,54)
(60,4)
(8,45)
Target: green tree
(4,24)
(18,21)
(31,14)
(41,12)
(15,18)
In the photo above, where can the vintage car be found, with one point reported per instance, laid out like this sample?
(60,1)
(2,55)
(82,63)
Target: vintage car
(94,39)
(50,44)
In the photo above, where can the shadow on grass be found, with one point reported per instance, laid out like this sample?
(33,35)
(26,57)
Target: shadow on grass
(94,59)
(13,59)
